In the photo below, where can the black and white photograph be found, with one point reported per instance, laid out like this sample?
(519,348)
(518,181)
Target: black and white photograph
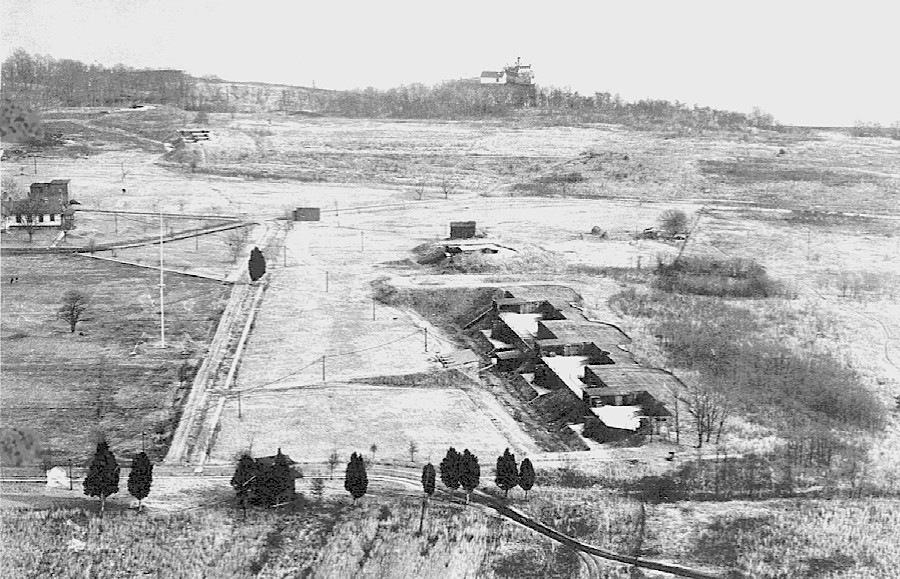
(468,290)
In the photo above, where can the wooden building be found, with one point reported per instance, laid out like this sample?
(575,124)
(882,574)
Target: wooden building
(306,214)
(462,229)
(47,205)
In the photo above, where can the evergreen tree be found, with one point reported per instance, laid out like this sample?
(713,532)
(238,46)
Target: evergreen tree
(102,477)
(526,476)
(244,476)
(355,480)
(507,472)
(257,264)
(428,477)
(469,472)
(450,469)
(140,478)
(276,482)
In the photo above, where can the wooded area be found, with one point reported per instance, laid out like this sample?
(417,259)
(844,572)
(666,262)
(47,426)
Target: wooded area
(44,82)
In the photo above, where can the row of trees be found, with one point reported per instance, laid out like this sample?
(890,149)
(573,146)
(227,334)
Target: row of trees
(268,482)
(462,470)
(102,479)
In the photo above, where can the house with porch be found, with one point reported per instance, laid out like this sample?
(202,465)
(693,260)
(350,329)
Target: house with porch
(47,205)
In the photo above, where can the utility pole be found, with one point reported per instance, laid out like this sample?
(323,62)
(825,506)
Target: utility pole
(362,242)
(323,368)
(162,306)
(239,404)
(70,474)
(373,309)
(426,339)
(116,221)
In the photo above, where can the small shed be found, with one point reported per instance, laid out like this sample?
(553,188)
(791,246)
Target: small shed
(306,214)
(462,229)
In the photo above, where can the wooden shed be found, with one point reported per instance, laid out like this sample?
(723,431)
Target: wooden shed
(306,214)
(462,229)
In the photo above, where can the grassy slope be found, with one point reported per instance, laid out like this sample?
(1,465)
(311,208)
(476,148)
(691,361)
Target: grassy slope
(375,538)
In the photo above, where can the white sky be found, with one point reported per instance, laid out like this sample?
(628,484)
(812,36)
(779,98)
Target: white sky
(807,63)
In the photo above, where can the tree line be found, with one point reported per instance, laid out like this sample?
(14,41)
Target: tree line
(42,81)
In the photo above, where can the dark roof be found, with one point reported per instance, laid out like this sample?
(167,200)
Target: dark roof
(491,74)
(604,335)
(627,379)
(13,206)
(60,181)
(462,224)
(270,460)
(509,301)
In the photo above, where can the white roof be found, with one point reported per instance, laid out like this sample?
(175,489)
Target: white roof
(524,325)
(622,417)
(570,369)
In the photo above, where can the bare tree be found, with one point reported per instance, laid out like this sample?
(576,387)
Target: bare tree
(413,449)
(74,304)
(333,459)
(709,408)
(30,213)
(10,186)
(448,186)
(235,240)
(420,189)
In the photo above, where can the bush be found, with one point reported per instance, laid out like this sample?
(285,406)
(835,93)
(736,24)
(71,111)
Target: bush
(660,489)
(742,278)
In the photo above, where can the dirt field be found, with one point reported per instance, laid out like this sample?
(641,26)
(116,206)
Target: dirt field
(108,375)
(308,423)
(300,322)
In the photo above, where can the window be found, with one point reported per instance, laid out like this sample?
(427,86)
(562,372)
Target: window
(18,218)
(40,218)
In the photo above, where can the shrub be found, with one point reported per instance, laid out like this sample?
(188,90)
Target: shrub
(743,278)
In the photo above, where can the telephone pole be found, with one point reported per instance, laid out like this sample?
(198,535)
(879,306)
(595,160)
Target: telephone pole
(162,306)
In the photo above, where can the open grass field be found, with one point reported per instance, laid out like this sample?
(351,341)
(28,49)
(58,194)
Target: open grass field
(213,254)
(516,156)
(108,375)
(103,228)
